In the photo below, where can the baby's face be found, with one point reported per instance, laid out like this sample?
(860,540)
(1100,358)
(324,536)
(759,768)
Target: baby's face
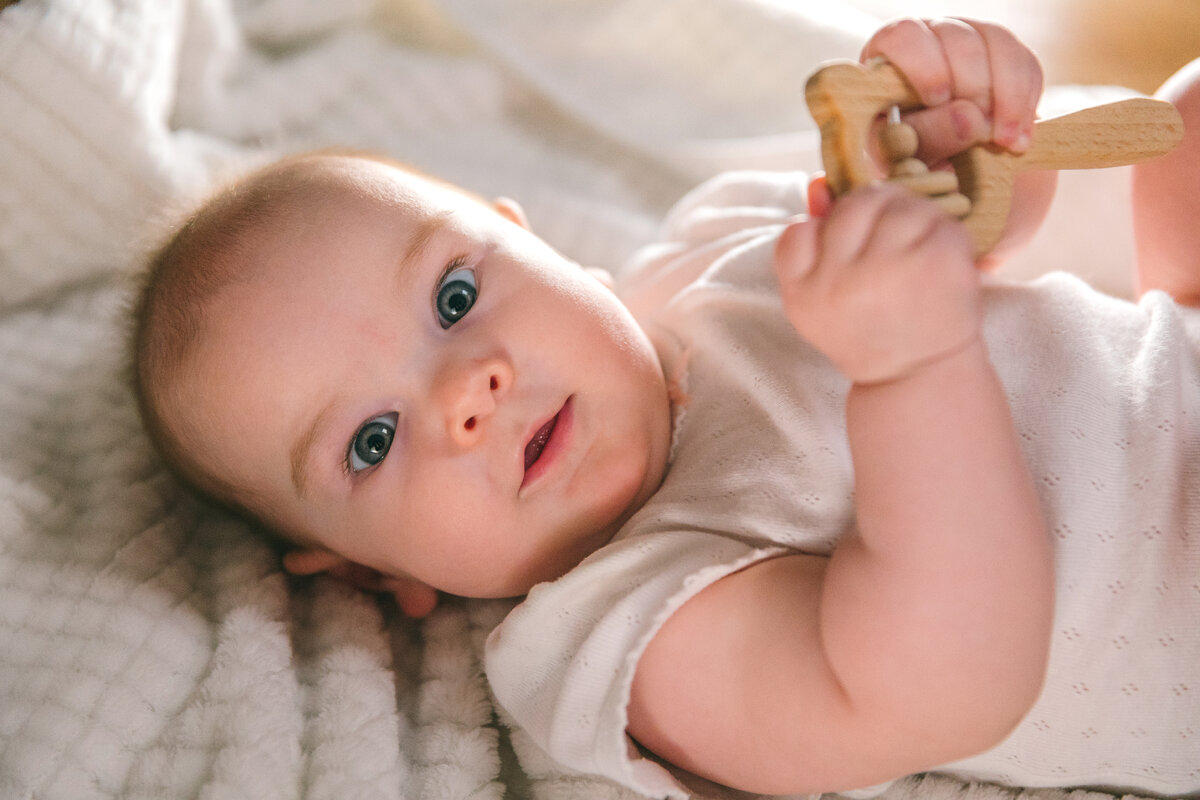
(422,386)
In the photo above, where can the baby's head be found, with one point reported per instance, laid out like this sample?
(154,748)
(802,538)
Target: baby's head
(393,373)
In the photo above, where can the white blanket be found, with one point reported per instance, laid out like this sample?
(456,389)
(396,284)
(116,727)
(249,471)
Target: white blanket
(150,646)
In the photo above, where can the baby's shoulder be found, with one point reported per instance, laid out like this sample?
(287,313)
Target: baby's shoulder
(733,201)
(714,217)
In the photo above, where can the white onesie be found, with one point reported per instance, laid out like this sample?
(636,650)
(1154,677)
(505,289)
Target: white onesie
(1106,398)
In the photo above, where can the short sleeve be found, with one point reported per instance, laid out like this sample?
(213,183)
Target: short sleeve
(562,663)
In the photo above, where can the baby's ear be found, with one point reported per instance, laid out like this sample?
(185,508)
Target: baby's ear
(511,210)
(415,598)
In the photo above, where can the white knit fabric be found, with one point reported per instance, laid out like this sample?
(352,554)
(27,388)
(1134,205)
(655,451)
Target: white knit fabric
(1106,399)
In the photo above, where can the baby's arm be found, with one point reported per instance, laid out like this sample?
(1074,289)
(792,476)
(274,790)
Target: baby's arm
(924,637)
(1166,201)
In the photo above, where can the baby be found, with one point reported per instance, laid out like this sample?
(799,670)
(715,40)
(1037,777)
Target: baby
(789,512)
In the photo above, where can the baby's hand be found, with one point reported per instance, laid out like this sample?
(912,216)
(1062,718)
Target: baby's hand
(882,286)
(978,81)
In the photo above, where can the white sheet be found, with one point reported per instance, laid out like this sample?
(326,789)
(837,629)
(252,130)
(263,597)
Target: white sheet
(150,646)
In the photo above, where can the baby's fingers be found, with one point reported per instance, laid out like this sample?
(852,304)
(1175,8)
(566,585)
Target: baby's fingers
(820,196)
(796,252)
(913,48)
(948,129)
(1016,86)
(978,62)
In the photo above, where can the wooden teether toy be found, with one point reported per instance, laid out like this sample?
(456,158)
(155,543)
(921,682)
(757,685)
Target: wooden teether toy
(845,99)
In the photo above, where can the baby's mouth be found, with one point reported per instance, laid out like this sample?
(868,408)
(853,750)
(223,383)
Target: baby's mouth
(549,445)
(533,450)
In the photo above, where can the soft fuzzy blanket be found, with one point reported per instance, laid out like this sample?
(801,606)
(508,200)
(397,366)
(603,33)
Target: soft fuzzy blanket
(150,646)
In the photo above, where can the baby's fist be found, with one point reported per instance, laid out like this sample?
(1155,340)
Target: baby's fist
(884,285)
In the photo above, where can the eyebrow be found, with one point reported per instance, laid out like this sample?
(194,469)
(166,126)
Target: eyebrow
(426,230)
(301,453)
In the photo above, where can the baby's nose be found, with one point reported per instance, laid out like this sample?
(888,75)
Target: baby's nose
(470,394)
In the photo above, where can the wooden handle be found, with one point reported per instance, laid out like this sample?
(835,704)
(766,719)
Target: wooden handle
(1110,135)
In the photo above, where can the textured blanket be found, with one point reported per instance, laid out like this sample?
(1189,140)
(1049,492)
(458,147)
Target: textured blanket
(150,646)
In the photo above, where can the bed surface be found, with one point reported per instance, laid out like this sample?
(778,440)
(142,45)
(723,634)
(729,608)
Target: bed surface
(150,646)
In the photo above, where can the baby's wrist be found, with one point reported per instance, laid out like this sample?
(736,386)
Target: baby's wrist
(934,366)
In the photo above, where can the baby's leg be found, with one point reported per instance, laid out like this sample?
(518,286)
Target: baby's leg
(1166,201)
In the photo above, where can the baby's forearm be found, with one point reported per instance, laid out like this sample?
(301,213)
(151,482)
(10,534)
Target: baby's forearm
(943,596)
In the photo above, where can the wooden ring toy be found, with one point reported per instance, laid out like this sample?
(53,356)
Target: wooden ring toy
(846,98)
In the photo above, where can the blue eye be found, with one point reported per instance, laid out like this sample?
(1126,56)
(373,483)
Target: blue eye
(372,442)
(455,296)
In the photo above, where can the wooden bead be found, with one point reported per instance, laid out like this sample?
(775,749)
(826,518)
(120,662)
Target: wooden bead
(928,183)
(906,167)
(899,141)
(955,204)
